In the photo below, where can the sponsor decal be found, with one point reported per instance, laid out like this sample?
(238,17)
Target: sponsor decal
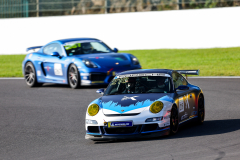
(73,59)
(166,124)
(64,81)
(58,69)
(119,124)
(39,73)
(65,65)
(143,74)
(30,56)
(185,116)
(126,97)
(117,63)
(194,113)
(48,68)
(97,81)
(183,102)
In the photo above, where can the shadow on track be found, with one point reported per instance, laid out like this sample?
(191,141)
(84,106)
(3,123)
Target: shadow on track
(53,85)
(191,130)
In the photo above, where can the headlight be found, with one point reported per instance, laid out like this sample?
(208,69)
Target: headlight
(156,107)
(134,60)
(89,63)
(93,109)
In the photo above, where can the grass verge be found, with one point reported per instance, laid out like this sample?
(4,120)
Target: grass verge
(211,62)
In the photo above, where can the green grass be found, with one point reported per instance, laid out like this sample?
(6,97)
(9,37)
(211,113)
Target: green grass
(11,65)
(211,62)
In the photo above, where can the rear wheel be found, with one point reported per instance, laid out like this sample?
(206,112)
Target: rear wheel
(174,122)
(30,75)
(201,110)
(73,77)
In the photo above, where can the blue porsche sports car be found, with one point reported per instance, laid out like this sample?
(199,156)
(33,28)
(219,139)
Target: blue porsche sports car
(78,61)
(144,103)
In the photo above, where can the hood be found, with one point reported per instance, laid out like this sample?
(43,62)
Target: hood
(107,60)
(130,103)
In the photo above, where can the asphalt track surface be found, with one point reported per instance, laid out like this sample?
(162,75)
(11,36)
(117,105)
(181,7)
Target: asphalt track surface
(47,123)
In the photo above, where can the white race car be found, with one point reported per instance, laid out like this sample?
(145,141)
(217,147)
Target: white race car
(144,103)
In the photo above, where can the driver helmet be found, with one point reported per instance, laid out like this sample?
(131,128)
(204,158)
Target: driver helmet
(161,83)
(87,48)
(130,83)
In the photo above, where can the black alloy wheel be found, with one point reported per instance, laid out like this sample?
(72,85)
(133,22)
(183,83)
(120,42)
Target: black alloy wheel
(30,75)
(174,122)
(201,110)
(73,77)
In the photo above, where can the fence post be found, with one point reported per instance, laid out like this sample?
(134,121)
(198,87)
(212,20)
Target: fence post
(106,6)
(37,8)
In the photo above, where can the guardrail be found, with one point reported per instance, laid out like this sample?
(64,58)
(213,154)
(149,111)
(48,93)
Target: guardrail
(37,8)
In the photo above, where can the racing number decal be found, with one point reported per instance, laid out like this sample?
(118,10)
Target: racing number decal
(183,101)
(58,69)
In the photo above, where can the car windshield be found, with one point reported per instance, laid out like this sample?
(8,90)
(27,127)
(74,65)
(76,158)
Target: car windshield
(143,84)
(78,48)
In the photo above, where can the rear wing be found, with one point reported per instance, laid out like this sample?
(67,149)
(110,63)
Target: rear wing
(189,72)
(33,48)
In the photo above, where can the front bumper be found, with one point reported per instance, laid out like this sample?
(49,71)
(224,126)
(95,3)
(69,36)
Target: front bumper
(139,132)
(101,76)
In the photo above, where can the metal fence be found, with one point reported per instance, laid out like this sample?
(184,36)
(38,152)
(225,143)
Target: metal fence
(36,8)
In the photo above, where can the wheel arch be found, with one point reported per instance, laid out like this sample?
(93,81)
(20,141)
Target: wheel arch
(201,94)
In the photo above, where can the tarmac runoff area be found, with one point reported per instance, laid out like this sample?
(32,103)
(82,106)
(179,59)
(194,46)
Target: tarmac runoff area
(48,123)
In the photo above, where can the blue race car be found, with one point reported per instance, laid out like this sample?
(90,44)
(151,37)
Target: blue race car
(144,103)
(77,62)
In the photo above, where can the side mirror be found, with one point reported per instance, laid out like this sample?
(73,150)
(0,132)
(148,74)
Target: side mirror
(100,91)
(115,50)
(56,54)
(182,87)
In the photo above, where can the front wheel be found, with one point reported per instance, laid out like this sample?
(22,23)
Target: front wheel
(73,77)
(30,75)
(174,122)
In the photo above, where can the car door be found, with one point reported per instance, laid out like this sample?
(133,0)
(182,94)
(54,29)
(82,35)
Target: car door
(185,97)
(53,66)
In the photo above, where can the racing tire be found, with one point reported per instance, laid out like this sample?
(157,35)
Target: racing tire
(73,77)
(30,75)
(201,110)
(174,121)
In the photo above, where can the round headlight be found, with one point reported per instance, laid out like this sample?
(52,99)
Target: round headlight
(93,109)
(156,107)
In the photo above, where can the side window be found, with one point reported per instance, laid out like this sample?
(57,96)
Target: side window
(53,48)
(178,79)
